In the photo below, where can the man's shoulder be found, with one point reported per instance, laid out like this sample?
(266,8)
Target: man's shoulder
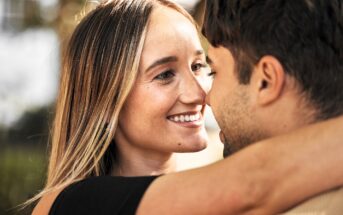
(329,203)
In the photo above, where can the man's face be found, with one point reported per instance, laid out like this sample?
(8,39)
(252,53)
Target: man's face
(231,103)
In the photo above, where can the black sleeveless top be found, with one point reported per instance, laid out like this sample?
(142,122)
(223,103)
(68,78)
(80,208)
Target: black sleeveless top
(102,195)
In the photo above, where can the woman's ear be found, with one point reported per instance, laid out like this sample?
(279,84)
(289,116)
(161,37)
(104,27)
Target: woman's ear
(270,79)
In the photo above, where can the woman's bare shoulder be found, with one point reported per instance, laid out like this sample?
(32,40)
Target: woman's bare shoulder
(45,203)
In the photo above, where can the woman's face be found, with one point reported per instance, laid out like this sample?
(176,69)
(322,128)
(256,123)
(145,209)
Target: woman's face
(164,111)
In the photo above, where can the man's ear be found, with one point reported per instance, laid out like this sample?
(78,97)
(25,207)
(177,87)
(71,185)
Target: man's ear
(270,79)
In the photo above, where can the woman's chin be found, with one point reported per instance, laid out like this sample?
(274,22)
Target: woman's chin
(193,146)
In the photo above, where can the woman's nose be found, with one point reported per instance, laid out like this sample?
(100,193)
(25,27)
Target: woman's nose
(193,90)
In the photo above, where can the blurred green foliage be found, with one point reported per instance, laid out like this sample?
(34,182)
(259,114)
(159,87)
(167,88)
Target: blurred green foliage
(22,175)
(23,160)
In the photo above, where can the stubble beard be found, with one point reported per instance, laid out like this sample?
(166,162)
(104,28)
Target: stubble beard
(232,146)
(240,136)
(240,127)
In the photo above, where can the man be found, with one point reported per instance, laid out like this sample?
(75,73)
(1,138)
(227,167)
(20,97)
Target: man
(264,178)
(277,66)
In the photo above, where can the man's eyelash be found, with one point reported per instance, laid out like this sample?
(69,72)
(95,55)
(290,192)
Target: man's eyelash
(201,65)
(212,73)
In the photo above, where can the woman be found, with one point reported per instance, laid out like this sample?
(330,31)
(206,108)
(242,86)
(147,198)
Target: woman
(132,93)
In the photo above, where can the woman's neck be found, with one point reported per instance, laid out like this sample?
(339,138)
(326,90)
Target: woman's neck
(138,163)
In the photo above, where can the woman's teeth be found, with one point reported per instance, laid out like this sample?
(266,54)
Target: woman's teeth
(185,118)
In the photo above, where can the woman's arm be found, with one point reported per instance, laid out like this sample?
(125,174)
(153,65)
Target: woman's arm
(267,177)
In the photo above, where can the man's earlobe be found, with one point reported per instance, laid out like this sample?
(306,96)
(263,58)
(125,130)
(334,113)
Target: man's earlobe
(271,77)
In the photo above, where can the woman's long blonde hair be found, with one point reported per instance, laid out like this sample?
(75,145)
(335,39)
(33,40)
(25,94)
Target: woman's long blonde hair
(98,71)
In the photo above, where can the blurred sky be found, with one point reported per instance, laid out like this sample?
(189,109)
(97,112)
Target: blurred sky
(29,72)
(29,61)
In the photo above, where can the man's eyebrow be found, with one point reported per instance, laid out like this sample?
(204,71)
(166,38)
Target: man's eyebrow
(162,61)
(208,60)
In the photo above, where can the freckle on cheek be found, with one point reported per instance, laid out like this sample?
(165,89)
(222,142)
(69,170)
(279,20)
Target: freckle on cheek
(179,144)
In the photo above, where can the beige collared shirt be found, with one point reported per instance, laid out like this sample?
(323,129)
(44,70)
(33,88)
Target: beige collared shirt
(329,203)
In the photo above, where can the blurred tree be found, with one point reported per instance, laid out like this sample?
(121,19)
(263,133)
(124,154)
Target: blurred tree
(32,128)
(67,18)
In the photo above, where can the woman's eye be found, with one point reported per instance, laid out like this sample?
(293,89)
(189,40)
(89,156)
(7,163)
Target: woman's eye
(198,66)
(165,76)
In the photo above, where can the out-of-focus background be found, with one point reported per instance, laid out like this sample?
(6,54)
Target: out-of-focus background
(32,33)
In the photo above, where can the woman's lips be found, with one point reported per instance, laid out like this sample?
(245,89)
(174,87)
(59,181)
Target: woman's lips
(190,119)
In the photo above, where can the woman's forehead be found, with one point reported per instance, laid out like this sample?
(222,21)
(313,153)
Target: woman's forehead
(168,23)
(169,29)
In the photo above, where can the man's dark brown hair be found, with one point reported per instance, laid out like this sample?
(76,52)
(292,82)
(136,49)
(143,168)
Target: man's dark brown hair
(306,36)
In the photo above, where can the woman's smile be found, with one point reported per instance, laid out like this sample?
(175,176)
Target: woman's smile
(193,119)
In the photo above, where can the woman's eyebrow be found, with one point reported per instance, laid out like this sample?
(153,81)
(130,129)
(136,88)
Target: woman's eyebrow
(169,59)
(199,52)
(162,61)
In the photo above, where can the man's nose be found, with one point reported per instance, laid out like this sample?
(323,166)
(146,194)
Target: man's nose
(207,99)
